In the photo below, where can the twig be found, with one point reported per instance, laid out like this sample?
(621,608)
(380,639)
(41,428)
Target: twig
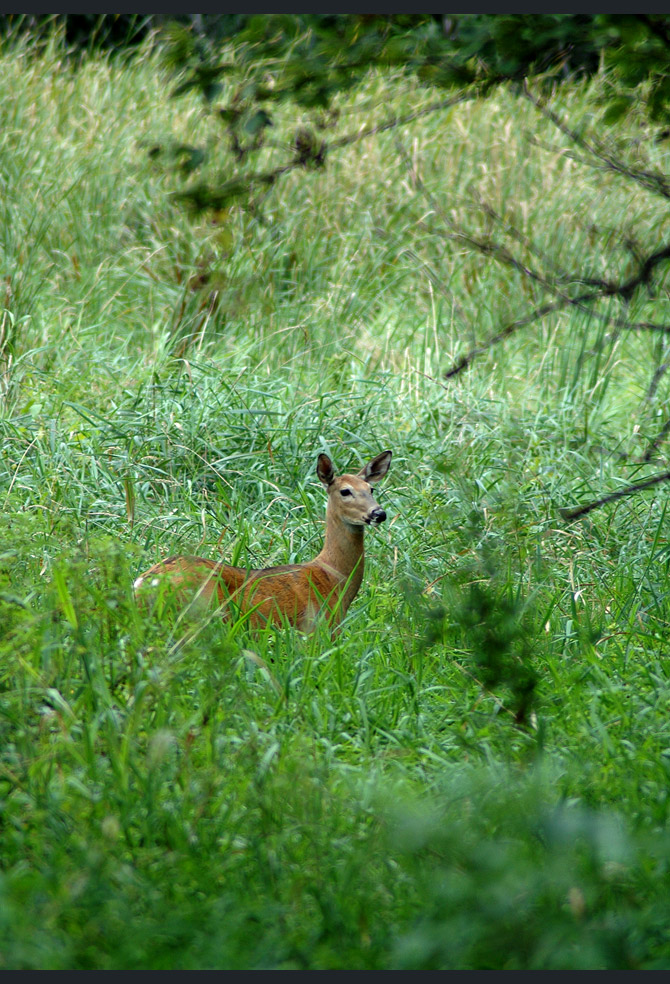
(500,252)
(395,121)
(660,437)
(208,197)
(503,255)
(624,291)
(628,490)
(651,180)
(466,360)
(655,380)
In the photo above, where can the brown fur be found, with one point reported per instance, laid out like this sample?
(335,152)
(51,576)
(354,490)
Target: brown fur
(297,592)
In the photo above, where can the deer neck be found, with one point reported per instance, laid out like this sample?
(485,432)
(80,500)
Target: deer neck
(343,554)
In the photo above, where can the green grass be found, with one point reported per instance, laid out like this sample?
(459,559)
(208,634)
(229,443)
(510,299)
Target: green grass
(475,772)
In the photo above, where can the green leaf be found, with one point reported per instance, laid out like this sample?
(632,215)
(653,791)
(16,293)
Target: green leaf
(211,90)
(617,108)
(188,158)
(258,121)
(65,597)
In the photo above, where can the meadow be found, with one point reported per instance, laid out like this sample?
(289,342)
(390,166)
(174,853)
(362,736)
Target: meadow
(475,772)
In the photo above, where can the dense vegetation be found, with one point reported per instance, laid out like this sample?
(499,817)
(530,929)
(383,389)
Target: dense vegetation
(475,773)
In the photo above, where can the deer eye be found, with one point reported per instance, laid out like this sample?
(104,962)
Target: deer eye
(345,491)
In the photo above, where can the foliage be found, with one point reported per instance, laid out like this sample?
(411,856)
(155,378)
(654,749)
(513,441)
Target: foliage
(491,628)
(310,61)
(81,32)
(637,49)
(475,772)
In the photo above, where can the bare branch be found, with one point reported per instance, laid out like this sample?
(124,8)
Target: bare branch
(628,490)
(653,181)
(316,153)
(655,380)
(660,437)
(488,247)
(396,121)
(466,360)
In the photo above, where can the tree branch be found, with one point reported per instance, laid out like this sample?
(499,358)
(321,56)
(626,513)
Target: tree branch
(204,196)
(628,490)
(651,180)
(500,252)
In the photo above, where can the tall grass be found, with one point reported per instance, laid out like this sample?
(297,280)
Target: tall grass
(475,772)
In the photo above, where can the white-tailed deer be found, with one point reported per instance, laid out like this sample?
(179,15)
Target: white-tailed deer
(297,592)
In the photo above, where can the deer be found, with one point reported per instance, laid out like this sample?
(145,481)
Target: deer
(297,593)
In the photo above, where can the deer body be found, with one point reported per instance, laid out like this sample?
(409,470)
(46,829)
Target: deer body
(297,592)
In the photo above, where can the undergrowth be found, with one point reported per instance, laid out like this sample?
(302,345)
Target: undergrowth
(474,773)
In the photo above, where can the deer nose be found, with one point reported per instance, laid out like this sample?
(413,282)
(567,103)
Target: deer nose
(377,516)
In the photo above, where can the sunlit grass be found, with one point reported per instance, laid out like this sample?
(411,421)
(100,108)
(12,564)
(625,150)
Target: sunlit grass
(474,773)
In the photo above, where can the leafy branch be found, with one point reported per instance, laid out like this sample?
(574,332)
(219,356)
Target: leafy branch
(309,152)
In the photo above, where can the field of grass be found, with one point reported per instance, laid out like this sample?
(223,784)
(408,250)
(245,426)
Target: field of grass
(476,772)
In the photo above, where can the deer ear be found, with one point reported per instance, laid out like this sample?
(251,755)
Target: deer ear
(375,470)
(325,470)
